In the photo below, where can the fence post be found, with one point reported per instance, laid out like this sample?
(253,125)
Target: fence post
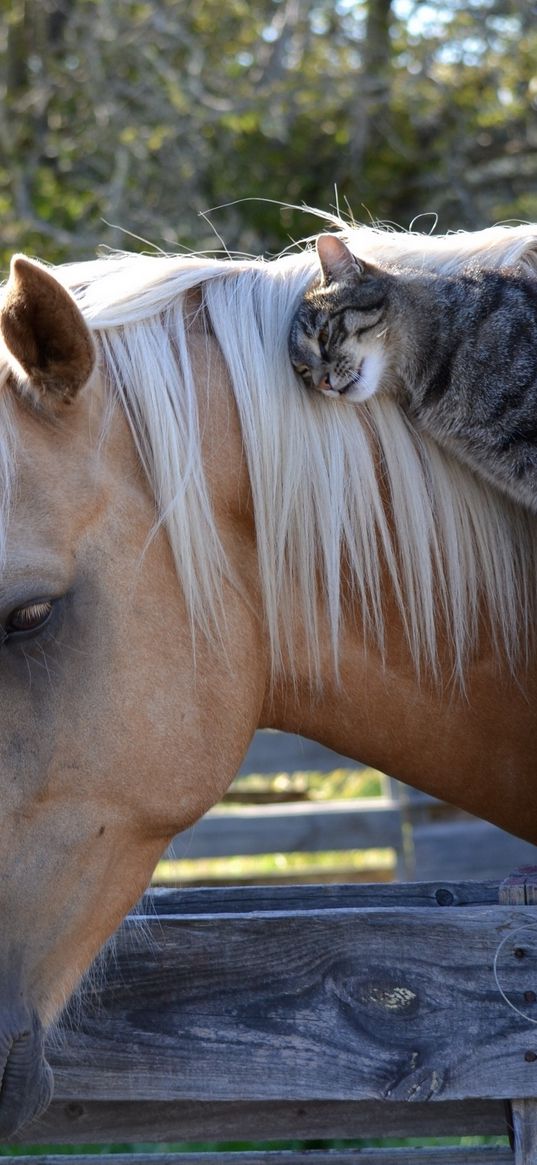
(520,889)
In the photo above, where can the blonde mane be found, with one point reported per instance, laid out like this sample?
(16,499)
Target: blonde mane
(453,547)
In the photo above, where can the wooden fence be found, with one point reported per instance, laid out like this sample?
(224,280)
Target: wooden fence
(430,839)
(311,1013)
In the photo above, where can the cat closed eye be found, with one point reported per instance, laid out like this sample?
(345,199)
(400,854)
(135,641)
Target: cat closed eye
(304,371)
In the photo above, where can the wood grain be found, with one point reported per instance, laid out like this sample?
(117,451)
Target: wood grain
(521,888)
(340,1004)
(248,899)
(313,1012)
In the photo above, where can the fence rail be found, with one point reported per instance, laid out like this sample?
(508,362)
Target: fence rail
(430,839)
(323,1012)
(310,827)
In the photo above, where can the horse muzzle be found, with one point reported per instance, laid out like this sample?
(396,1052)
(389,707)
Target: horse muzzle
(25,1078)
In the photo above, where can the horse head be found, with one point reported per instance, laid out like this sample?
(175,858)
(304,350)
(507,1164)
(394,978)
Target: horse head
(114,734)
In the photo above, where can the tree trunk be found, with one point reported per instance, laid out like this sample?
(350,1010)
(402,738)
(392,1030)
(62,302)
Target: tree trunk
(374,84)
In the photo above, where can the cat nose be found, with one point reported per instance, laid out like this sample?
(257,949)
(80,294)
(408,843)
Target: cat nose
(325,382)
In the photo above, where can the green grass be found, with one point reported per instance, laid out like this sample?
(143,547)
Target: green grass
(328,863)
(337,785)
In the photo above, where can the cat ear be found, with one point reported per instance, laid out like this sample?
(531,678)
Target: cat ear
(337,262)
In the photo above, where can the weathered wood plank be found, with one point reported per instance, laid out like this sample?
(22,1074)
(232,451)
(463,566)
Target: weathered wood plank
(310,828)
(521,888)
(343,1004)
(428,1156)
(248,899)
(468,849)
(524,1113)
(105,1122)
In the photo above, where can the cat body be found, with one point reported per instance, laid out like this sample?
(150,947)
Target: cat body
(458,352)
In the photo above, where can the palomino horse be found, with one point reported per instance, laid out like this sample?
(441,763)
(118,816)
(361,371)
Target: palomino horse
(192,546)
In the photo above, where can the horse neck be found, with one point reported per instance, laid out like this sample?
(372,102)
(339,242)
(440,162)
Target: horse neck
(472,747)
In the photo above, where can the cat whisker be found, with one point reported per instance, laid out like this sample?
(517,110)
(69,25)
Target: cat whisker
(355,378)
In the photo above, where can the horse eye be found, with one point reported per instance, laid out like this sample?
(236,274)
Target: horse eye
(29,618)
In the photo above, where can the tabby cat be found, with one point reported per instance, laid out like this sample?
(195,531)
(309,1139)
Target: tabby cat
(458,352)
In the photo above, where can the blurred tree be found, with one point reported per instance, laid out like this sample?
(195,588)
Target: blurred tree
(144,113)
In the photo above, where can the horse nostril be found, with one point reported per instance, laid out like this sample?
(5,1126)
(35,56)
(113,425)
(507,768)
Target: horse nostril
(25,1077)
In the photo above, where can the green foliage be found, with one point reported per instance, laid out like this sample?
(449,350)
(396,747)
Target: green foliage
(141,115)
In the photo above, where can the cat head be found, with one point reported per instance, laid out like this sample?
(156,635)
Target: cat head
(338,336)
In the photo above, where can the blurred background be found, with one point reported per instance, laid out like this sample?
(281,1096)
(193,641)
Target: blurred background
(142,115)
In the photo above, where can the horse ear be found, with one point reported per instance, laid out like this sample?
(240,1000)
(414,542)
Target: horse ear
(337,262)
(43,330)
